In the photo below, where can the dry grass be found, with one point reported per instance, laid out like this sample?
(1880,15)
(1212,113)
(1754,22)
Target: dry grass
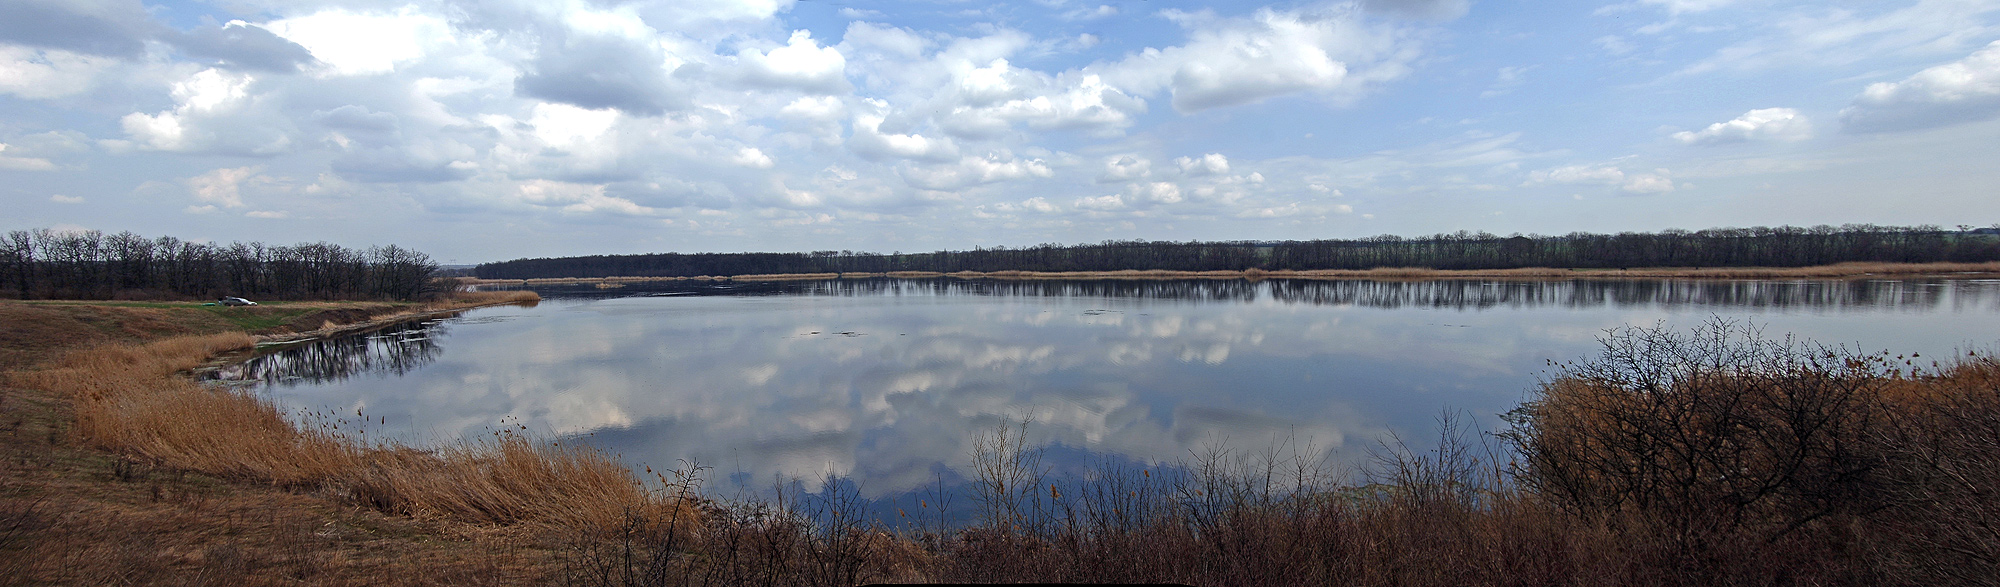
(130,399)
(484,298)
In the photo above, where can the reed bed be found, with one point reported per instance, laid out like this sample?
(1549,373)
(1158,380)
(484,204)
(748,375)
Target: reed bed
(132,400)
(497,297)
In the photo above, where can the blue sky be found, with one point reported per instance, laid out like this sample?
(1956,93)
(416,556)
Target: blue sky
(493,130)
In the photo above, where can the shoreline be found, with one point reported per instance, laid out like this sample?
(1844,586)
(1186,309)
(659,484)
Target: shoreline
(1837,271)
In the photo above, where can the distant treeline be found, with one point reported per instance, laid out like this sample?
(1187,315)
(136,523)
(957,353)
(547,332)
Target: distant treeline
(1784,246)
(45,263)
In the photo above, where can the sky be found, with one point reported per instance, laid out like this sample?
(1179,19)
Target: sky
(486,131)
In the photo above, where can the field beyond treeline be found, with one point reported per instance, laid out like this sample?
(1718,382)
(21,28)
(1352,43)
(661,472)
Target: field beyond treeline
(1784,246)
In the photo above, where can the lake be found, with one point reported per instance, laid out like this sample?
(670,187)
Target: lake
(883,382)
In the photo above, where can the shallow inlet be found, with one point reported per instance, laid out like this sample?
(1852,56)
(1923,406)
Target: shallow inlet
(883,382)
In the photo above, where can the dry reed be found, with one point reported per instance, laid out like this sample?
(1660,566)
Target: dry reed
(518,296)
(132,400)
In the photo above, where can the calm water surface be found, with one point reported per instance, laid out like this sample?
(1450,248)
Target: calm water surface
(883,382)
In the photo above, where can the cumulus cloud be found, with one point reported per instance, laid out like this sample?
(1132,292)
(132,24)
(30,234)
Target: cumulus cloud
(1961,91)
(801,64)
(1227,62)
(604,71)
(869,140)
(240,45)
(211,114)
(1125,168)
(976,170)
(364,43)
(1084,103)
(1210,164)
(1776,124)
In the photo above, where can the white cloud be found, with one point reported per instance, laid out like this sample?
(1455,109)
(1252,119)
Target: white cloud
(23,163)
(46,74)
(351,43)
(815,108)
(1334,54)
(1125,168)
(1158,192)
(1100,203)
(801,64)
(1960,91)
(268,214)
(1649,183)
(215,112)
(1657,181)
(975,171)
(222,187)
(869,140)
(1578,174)
(62,199)
(1777,124)
(1210,164)
(1089,103)
(754,158)
(577,198)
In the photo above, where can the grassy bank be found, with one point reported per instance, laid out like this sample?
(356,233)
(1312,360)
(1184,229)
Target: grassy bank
(110,442)
(1840,271)
(1712,456)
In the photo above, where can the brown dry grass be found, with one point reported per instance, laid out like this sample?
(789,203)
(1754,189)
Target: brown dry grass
(483,298)
(129,399)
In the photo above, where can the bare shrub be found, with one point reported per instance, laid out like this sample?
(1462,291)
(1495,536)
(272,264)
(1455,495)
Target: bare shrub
(1717,444)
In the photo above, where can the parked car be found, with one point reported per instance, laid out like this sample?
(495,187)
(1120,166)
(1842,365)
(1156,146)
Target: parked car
(235,302)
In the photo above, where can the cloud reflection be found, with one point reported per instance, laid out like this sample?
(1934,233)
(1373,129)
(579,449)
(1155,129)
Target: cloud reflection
(885,382)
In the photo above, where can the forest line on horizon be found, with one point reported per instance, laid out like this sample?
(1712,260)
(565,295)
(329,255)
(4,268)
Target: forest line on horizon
(1783,246)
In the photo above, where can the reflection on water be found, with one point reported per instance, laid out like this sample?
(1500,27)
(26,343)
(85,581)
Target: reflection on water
(1864,294)
(394,350)
(882,382)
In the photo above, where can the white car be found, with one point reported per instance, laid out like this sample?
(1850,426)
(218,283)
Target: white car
(235,302)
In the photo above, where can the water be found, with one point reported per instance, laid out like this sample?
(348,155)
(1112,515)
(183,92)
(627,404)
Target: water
(883,382)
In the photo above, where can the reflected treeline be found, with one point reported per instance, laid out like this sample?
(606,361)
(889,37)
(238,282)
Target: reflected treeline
(1923,294)
(394,350)
(1801,294)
